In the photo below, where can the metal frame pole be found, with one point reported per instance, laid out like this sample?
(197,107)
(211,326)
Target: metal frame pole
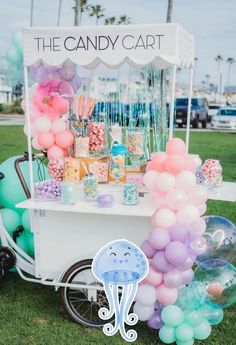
(172,103)
(29,132)
(189,108)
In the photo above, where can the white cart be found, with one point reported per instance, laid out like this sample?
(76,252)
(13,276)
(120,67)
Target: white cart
(67,237)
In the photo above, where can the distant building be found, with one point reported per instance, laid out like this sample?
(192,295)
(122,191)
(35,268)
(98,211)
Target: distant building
(5,91)
(230,89)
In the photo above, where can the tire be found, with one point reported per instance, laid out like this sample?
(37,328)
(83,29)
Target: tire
(204,123)
(78,312)
(195,123)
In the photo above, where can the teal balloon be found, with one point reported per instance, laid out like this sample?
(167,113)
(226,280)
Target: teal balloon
(25,220)
(202,331)
(17,40)
(191,342)
(26,242)
(4,64)
(13,55)
(213,315)
(193,318)
(14,74)
(11,191)
(172,316)
(167,334)
(184,332)
(11,219)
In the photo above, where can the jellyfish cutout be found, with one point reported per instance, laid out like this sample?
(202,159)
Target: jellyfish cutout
(120,265)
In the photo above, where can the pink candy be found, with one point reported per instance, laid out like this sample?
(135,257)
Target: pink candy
(56,169)
(211,169)
(96,136)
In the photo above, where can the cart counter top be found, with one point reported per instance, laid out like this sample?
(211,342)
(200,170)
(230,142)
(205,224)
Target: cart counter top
(145,207)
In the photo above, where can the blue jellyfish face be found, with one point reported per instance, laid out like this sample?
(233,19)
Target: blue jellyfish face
(120,262)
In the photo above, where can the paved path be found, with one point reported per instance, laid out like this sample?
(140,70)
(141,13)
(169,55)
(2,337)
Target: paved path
(12,120)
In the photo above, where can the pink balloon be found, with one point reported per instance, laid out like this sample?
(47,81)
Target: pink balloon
(65,152)
(45,139)
(150,166)
(150,179)
(190,164)
(175,146)
(58,125)
(164,218)
(64,139)
(188,214)
(154,278)
(159,238)
(173,278)
(176,198)
(166,295)
(23,104)
(174,164)
(198,195)
(55,152)
(146,295)
(158,199)
(33,132)
(158,160)
(35,144)
(202,209)
(165,182)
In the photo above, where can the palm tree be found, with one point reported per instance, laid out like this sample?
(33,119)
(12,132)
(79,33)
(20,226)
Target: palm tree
(169,11)
(218,59)
(97,11)
(80,7)
(230,61)
(124,20)
(110,21)
(203,84)
(207,76)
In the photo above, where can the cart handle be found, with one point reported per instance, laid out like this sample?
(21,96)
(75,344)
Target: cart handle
(20,175)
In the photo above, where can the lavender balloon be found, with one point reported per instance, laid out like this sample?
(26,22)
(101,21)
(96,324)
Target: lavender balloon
(179,232)
(155,321)
(147,249)
(160,262)
(176,253)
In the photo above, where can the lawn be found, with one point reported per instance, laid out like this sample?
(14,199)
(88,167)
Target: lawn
(31,314)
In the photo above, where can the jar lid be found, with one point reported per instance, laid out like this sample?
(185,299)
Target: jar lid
(118,149)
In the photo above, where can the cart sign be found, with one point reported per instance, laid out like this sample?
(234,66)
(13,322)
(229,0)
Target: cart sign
(112,45)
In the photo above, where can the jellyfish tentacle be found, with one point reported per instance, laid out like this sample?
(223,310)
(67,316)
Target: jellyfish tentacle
(105,313)
(131,319)
(108,328)
(130,335)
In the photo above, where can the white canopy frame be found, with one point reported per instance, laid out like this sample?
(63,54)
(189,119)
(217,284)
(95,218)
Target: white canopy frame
(163,45)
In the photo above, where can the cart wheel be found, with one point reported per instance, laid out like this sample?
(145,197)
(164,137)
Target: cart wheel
(83,304)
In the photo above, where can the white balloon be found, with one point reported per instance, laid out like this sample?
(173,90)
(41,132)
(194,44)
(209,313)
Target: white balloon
(164,218)
(33,132)
(146,295)
(188,214)
(165,182)
(58,125)
(144,312)
(185,180)
(150,179)
(42,124)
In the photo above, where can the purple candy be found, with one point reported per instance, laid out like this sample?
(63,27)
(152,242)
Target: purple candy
(105,200)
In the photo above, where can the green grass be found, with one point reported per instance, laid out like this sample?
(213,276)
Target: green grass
(31,314)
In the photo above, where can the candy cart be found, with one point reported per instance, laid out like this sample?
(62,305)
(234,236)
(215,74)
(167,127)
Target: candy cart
(67,236)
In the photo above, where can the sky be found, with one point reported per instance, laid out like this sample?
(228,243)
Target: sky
(212,22)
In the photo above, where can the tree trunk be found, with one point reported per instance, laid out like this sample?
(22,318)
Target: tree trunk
(228,76)
(169,11)
(77,13)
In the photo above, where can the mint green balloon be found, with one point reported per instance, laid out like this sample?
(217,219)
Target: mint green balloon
(214,315)
(202,331)
(167,334)
(193,318)
(11,191)
(11,219)
(184,332)
(13,55)
(25,220)
(26,242)
(191,342)
(17,40)
(172,315)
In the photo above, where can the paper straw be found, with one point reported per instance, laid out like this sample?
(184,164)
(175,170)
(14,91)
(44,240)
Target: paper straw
(85,168)
(92,105)
(81,102)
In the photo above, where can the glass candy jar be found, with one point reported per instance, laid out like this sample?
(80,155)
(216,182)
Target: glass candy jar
(117,162)
(90,187)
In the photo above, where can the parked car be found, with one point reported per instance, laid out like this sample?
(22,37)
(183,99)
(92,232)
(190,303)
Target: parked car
(199,111)
(213,110)
(225,119)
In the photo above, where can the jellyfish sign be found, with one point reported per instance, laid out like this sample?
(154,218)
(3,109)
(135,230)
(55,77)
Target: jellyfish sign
(120,265)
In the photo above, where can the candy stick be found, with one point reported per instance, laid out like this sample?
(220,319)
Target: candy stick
(85,168)
(86,107)
(76,105)
(81,102)
(92,105)
(112,138)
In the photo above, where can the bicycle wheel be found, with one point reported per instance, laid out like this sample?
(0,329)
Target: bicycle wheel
(83,305)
